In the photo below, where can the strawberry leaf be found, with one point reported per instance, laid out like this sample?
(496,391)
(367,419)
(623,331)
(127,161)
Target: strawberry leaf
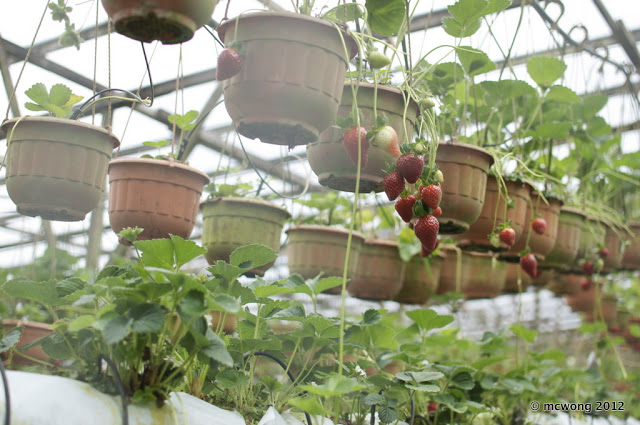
(385,16)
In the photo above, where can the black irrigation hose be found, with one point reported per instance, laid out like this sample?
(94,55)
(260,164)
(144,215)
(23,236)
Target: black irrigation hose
(413,411)
(116,376)
(7,398)
(373,412)
(284,366)
(422,418)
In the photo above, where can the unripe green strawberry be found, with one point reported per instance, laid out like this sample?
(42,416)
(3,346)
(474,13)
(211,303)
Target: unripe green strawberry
(439,176)
(377,60)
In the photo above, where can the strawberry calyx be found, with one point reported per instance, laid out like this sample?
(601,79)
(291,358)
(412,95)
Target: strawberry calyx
(350,121)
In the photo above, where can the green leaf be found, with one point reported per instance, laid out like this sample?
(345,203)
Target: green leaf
(474,61)
(419,377)
(327,283)
(310,405)
(562,94)
(81,322)
(147,318)
(371,317)
(38,93)
(553,130)
(59,94)
(372,399)
(116,329)
(156,253)
(55,347)
(159,144)
(258,255)
(522,332)
(385,16)
(41,292)
(184,122)
(428,319)
(186,250)
(224,302)
(545,70)
(230,378)
(455,29)
(271,290)
(11,339)
(591,105)
(335,385)
(351,11)
(463,380)
(467,11)
(33,107)
(552,354)
(593,327)
(217,350)
(387,414)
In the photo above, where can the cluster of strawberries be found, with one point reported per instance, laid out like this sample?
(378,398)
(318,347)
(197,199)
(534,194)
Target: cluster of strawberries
(528,261)
(417,192)
(589,267)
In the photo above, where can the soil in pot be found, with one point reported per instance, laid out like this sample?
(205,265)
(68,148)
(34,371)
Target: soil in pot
(315,249)
(565,249)
(32,331)
(465,170)
(229,223)
(421,279)
(494,213)
(291,82)
(380,272)
(56,167)
(156,195)
(482,276)
(170,22)
(327,157)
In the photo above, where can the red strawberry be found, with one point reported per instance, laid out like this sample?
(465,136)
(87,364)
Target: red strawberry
(393,185)
(426,230)
(588,267)
(431,195)
(437,212)
(425,252)
(508,236)
(350,143)
(604,252)
(432,407)
(410,167)
(404,207)
(229,63)
(539,225)
(585,284)
(529,264)
(387,139)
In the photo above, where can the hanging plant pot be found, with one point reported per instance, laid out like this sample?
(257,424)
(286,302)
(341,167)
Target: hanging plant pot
(465,170)
(158,196)
(481,275)
(314,249)
(565,250)
(380,271)
(327,156)
(493,214)
(421,279)
(613,243)
(291,81)
(584,301)
(511,280)
(592,235)
(229,223)
(540,245)
(168,21)
(631,257)
(565,283)
(31,332)
(56,167)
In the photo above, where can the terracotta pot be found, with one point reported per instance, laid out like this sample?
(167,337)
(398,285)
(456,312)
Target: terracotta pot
(565,283)
(380,271)
(56,167)
(540,245)
(169,21)
(565,250)
(481,275)
(631,257)
(230,321)
(229,223)
(421,279)
(511,281)
(608,314)
(32,331)
(156,195)
(327,157)
(465,170)
(291,82)
(544,277)
(613,241)
(494,213)
(313,249)
(584,301)
(592,235)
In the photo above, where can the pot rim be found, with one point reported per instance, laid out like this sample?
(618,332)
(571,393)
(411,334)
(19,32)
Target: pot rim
(7,124)
(383,87)
(160,163)
(324,229)
(474,148)
(249,201)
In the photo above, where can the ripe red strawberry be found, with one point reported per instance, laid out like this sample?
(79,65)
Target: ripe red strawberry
(410,167)
(603,253)
(585,284)
(426,230)
(437,212)
(539,225)
(387,139)
(425,252)
(588,267)
(393,185)
(431,195)
(350,143)
(529,264)
(229,63)
(404,207)
(508,236)
(432,407)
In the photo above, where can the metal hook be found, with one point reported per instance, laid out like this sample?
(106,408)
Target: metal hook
(554,25)
(605,56)
(586,35)
(7,398)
